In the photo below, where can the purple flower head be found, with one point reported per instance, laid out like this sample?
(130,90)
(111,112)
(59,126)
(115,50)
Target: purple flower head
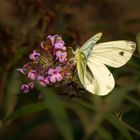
(43,81)
(21,70)
(42,45)
(26,66)
(61,56)
(34,55)
(25,88)
(55,74)
(47,66)
(59,37)
(32,74)
(52,39)
(60,45)
(31,85)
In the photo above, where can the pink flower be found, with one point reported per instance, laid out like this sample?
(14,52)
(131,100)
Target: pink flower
(21,70)
(32,74)
(42,45)
(26,66)
(55,74)
(35,55)
(43,81)
(25,88)
(31,85)
(52,39)
(61,56)
(47,65)
(59,45)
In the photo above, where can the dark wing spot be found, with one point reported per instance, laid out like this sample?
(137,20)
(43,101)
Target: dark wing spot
(109,74)
(121,53)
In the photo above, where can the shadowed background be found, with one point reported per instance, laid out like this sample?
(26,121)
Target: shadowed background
(74,115)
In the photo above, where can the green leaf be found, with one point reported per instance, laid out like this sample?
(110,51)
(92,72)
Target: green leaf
(82,104)
(131,128)
(12,89)
(90,115)
(104,134)
(116,98)
(27,109)
(119,125)
(84,116)
(134,101)
(18,55)
(138,42)
(58,112)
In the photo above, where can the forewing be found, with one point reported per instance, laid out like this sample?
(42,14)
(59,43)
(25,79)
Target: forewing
(98,79)
(87,46)
(114,54)
(81,66)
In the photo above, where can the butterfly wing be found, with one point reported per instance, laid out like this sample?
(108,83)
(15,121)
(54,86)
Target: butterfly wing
(87,46)
(114,54)
(98,79)
(81,56)
(80,65)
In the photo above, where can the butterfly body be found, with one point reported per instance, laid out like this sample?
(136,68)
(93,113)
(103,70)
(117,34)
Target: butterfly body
(91,60)
(80,64)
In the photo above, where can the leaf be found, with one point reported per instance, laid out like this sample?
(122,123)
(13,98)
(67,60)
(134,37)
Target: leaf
(104,134)
(132,21)
(138,42)
(26,128)
(18,55)
(116,98)
(83,104)
(84,116)
(27,109)
(135,64)
(134,101)
(31,20)
(131,128)
(58,112)
(18,15)
(90,115)
(7,13)
(12,89)
(118,125)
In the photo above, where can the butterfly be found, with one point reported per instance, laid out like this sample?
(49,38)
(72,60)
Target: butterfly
(91,60)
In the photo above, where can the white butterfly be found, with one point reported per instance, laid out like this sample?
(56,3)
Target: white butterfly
(91,60)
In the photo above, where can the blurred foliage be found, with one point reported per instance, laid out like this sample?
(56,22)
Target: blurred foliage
(67,113)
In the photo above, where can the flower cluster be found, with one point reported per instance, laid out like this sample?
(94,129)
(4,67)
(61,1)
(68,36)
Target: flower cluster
(47,65)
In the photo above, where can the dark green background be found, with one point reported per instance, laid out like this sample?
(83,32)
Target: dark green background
(67,115)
